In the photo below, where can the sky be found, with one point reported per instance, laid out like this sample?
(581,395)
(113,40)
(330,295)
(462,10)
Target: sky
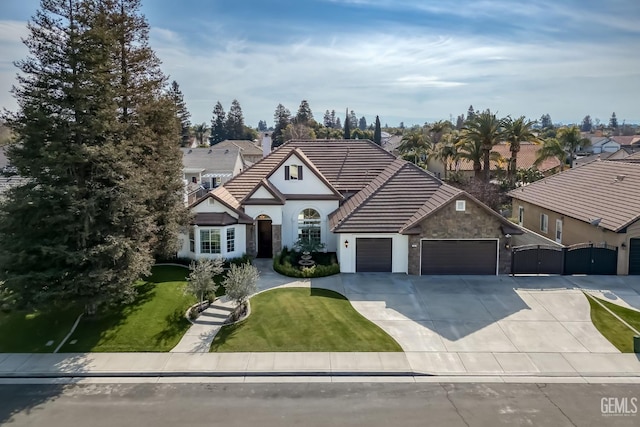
(408,61)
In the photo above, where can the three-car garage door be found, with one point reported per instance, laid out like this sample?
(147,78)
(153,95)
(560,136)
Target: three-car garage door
(459,257)
(374,255)
(634,256)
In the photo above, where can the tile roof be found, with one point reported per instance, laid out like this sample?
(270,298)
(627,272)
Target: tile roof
(220,160)
(245,146)
(388,202)
(349,165)
(605,189)
(213,218)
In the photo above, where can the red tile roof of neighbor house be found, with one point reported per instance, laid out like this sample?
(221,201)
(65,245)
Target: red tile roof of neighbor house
(526,158)
(605,190)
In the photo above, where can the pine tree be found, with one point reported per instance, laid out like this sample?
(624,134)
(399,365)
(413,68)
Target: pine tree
(334,120)
(613,121)
(377,133)
(262,126)
(545,121)
(182,113)
(304,115)
(235,121)
(327,121)
(587,124)
(353,120)
(362,123)
(338,124)
(471,113)
(347,125)
(218,125)
(282,118)
(100,153)
(460,122)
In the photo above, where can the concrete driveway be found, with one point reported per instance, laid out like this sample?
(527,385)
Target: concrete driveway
(485,313)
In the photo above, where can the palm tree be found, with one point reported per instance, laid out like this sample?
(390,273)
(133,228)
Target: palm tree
(515,132)
(571,138)
(472,151)
(200,131)
(446,150)
(416,144)
(550,149)
(484,130)
(564,146)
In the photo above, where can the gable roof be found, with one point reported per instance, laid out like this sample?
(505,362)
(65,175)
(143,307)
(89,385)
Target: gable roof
(219,160)
(278,197)
(388,202)
(301,156)
(605,189)
(349,165)
(225,198)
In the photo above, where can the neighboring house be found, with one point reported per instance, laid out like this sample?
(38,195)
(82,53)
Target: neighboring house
(584,160)
(379,213)
(525,160)
(598,202)
(601,144)
(627,140)
(210,167)
(250,151)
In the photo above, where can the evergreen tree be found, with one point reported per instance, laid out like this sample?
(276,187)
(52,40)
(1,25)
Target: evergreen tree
(338,124)
(471,113)
(377,133)
(613,121)
(327,121)
(235,121)
(460,122)
(353,120)
(362,123)
(587,124)
(347,125)
(545,121)
(262,126)
(182,113)
(304,115)
(218,125)
(334,120)
(100,153)
(282,118)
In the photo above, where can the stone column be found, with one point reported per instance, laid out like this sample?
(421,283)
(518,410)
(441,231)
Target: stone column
(276,239)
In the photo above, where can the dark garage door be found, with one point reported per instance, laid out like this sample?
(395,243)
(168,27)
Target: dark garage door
(459,256)
(634,256)
(373,255)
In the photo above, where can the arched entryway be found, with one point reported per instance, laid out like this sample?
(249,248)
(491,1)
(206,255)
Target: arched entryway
(265,237)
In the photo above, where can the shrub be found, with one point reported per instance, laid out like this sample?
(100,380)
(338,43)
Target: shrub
(201,277)
(240,283)
(286,263)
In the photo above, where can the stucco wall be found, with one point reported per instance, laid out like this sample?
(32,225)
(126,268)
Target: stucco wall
(474,223)
(347,256)
(575,231)
(309,184)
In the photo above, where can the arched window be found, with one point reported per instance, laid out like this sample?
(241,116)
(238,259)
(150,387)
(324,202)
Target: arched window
(309,226)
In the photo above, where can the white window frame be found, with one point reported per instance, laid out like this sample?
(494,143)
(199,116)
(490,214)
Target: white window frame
(231,241)
(558,231)
(461,205)
(209,233)
(313,225)
(544,223)
(293,172)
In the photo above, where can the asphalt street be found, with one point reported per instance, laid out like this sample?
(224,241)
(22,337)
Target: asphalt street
(309,404)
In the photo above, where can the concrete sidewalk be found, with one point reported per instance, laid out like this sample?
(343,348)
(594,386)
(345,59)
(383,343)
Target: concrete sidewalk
(319,364)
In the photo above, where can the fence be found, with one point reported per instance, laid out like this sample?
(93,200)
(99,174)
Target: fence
(583,258)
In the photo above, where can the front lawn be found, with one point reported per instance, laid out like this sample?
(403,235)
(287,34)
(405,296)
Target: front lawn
(153,322)
(611,328)
(29,331)
(303,319)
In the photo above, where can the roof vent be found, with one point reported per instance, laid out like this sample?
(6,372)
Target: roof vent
(619,178)
(209,152)
(226,151)
(190,151)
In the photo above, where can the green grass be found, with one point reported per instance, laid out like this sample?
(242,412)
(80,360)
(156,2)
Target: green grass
(611,328)
(302,319)
(29,332)
(153,322)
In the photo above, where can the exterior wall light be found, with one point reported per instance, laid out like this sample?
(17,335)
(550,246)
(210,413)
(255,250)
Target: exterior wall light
(623,245)
(346,243)
(507,244)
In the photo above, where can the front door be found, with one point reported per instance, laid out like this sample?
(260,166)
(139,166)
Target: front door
(265,248)
(559,231)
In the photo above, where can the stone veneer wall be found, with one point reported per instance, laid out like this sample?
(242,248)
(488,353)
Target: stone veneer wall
(276,239)
(251,240)
(474,222)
